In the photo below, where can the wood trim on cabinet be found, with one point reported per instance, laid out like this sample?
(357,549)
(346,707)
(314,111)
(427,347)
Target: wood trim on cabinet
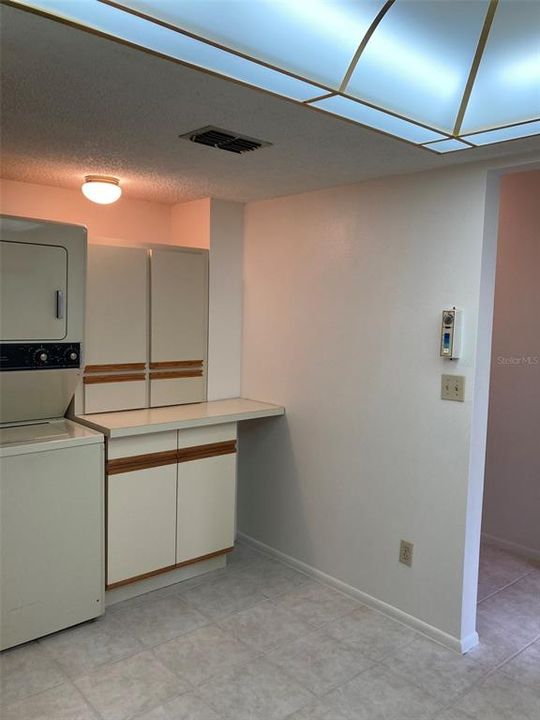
(125,377)
(175,364)
(199,452)
(150,574)
(114,367)
(170,374)
(169,457)
(136,578)
(141,462)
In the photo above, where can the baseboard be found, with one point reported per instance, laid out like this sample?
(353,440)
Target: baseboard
(453,643)
(512,547)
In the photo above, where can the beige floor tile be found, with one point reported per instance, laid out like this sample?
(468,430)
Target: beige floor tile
(224,595)
(185,707)
(272,578)
(525,667)
(317,604)
(500,698)
(319,662)
(318,711)
(82,649)
(121,690)
(441,672)
(26,670)
(62,702)
(371,632)
(199,655)
(243,555)
(498,569)
(156,622)
(259,691)
(266,626)
(378,694)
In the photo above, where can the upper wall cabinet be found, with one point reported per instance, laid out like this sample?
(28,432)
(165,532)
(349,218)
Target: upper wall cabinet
(179,326)
(146,328)
(116,329)
(116,306)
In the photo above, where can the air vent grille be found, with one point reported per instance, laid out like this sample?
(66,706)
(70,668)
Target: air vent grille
(224,140)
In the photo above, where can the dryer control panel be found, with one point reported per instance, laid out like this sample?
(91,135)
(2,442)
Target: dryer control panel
(40,356)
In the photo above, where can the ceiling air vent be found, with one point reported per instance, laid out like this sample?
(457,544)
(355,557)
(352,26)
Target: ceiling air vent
(224,140)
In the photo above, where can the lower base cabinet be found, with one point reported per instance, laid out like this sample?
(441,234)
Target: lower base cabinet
(206,500)
(170,500)
(141,522)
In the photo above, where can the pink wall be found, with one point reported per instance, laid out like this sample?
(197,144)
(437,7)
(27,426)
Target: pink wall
(130,221)
(512,484)
(190,223)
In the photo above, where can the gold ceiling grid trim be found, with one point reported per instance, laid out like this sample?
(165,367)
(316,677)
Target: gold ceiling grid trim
(356,57)
(488,21)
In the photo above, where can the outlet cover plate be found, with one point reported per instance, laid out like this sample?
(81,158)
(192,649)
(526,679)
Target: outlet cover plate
(453,387)
(406,552)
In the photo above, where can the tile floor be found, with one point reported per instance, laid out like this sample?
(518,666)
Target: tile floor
(259,641)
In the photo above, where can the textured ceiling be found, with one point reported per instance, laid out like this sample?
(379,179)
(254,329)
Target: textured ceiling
(74,104)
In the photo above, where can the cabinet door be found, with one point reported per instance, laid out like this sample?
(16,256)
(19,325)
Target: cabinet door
(33,286)
(116,328)
(141,522)
(206,506)
(179,280)
(179,320)
(116,305)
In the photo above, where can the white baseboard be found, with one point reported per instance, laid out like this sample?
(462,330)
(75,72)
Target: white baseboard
(512,547)
(461,646)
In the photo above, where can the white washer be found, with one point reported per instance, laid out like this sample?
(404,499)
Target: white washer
(51,528)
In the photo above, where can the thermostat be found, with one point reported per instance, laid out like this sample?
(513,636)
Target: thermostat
(451,329)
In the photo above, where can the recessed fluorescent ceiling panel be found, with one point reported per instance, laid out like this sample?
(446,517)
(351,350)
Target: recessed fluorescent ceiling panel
(426,71)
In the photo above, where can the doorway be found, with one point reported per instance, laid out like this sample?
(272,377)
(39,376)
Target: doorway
(508,610)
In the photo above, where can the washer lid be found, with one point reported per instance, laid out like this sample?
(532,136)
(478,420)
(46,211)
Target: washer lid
(44,435)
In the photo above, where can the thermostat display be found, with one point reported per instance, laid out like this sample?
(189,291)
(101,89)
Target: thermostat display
(451,334)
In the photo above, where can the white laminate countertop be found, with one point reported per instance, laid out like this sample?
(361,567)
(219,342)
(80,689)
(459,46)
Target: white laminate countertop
(178,417)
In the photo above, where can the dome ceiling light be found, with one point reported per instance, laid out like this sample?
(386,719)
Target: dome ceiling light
(446,75)
(101,189)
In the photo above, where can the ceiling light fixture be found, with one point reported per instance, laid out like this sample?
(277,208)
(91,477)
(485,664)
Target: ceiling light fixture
(101,189)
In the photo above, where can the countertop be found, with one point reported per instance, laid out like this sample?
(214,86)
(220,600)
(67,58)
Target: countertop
(178,417)
(42,435)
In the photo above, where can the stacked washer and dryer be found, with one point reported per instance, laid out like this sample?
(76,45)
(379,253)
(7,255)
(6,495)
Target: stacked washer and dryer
(51,469)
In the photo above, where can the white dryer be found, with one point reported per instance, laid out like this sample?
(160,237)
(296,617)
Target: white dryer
(51,469)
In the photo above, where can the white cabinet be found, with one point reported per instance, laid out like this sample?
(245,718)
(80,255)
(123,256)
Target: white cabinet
(171,500)
(32,291)
(147,317)
(141,522)
(116,329)
(116,305)
(179,326)
(206,501)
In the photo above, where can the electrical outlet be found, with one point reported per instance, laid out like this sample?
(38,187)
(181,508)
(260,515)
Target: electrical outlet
(453,387)
(406,552)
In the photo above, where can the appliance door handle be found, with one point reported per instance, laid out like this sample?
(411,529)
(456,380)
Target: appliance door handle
(60,304)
